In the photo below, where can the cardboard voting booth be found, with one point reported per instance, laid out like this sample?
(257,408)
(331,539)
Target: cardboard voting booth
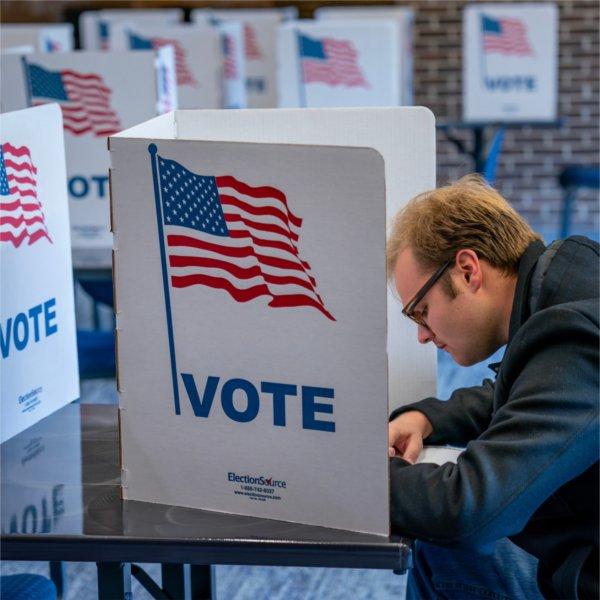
(45,37)
(95,25)
(260,49)
(197,57)
(41,477)
(403,16)
(271,344)
(37,314)
(99,94)
(345,63)
(510,65)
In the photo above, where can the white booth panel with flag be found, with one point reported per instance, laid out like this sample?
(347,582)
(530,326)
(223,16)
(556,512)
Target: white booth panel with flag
(510,66)
(197,57)
(334,64)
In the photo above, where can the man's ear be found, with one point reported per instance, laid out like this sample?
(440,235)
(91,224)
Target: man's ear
(469,269)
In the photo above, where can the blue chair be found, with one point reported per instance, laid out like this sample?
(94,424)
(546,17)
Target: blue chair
(26,587)
(571,180)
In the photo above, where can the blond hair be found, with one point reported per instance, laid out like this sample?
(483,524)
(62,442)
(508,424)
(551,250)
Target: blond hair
(467,214)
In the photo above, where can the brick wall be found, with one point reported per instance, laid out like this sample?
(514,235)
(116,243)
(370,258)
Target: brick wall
(531,158)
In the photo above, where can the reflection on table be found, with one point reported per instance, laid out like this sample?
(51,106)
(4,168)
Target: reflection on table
(62,501)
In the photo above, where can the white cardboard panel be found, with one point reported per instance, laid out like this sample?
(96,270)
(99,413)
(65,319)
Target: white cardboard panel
(37,309)
(233,65)
(337,64)
(260,46)
(337,346)
(404,17)
(46,37)
(13,91)
(131,82)
(197,57)
(241,14)
(510,66)
(166,80)
(405,137)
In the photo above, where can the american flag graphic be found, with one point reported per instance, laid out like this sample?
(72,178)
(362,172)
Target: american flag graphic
(51,45)
(230,66)
(183,72)
(505,36)
(84,99)
(251,46)
(21,214)
(223,233)
(104,35)
(334,62)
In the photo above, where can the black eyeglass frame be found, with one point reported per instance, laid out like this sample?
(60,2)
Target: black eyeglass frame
(408,310)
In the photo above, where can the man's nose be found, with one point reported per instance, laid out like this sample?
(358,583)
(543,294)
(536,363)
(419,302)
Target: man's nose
(424,334)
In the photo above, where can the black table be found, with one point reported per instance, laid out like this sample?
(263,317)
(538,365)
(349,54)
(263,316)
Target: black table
(62,502)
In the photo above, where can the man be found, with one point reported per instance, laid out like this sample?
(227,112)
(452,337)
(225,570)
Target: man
(474,277)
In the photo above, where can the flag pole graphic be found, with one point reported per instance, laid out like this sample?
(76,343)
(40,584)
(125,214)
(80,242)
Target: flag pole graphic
(152,149)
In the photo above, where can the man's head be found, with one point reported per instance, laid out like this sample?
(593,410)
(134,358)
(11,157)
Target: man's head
(465,241)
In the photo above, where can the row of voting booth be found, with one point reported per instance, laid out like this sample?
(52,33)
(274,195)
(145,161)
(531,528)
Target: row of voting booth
(346,56)
(137,64)
(238,239)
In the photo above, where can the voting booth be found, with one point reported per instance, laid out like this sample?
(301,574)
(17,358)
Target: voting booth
(254,324)
(338,63)
(197,57)
(510,62)
(37,308)
(403,16)
(95,25)
(99,94)
(44,37)
(260,48)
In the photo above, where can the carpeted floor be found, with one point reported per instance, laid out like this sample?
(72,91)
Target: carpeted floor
(246,583)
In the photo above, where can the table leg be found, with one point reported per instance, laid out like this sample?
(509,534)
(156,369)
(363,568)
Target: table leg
(202,582)
(58,574)
(187,582)
(114,581)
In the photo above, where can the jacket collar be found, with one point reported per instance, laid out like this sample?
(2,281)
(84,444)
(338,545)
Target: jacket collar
(520,308)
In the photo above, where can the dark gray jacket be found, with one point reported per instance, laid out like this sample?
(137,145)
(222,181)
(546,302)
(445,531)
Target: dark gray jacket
(530,468)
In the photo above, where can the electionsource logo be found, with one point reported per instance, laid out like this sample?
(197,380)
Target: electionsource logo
(259,480)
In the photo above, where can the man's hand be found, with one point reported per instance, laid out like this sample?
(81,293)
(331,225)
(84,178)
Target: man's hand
(406,435)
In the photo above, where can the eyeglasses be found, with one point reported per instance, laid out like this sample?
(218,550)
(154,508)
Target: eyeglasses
(409,309)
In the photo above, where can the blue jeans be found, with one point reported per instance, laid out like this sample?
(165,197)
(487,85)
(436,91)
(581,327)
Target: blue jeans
(451,574)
